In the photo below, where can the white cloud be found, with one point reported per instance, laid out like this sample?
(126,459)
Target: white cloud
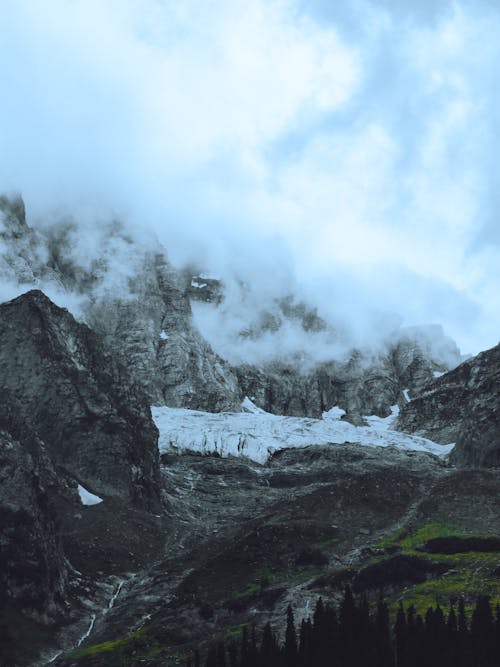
(352,147)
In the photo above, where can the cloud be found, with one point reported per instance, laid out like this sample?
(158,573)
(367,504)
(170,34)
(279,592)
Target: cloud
(343,149)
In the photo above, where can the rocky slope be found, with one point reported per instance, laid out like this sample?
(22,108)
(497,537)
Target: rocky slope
(71,418)
(33,568)
(193,547)
(129,293)
(78,399)
(245,540)
(462,406)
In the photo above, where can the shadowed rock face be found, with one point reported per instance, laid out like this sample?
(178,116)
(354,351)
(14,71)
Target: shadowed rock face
(33,568)
(96,424)
(361,386)
(462,406)
(145,319)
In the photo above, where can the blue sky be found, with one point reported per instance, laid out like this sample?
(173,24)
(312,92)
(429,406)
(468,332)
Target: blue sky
(346,149)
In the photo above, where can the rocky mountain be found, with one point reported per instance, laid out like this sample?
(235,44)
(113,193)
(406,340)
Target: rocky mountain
(116,551)
(462,407)
(365,384)
(78,399)
(141,305)
(131,295)
(33,569)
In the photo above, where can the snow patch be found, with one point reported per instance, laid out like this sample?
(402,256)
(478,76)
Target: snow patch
(256,434)
(163,335)
(438,374)
(88,498)
(248,406)
(406,394)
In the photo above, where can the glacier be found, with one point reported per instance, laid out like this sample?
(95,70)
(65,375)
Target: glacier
(256,434)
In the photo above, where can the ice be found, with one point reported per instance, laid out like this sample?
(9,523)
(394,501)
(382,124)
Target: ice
(256,434)
(88,498)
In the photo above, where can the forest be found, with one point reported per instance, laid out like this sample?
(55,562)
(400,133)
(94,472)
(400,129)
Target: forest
(358,634)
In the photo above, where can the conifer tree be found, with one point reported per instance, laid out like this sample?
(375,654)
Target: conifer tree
(290,651)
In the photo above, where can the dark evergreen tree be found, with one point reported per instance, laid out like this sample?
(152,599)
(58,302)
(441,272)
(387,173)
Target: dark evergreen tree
(290,650)
(382,637)
(401,637)
(306,643)
(482,632)
(269,650)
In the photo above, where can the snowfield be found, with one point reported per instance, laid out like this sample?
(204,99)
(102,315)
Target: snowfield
(256,434)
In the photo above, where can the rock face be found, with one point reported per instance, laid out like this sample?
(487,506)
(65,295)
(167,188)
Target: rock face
(152,333)
(462,406)
(33,568)
(132,296)
(96,424)
(363,385)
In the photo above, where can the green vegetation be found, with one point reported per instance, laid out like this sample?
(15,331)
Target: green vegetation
(408,541)
(235,630)
(267,577)
(470,574)
(145,648)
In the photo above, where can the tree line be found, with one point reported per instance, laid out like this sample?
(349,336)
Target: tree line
(354,635)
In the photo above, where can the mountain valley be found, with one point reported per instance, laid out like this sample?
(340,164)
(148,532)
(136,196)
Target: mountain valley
(156,497)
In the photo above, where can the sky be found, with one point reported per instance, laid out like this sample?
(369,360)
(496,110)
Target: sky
(346,151)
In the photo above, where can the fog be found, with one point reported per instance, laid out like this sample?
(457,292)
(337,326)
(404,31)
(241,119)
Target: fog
(347,154)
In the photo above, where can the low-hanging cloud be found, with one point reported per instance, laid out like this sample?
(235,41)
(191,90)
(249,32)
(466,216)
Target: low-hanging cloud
(346,151)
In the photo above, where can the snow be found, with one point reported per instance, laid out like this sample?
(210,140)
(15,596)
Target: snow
(88,498)
(256,434)
(196,283)
(163,335)
(438,374)
(406,394)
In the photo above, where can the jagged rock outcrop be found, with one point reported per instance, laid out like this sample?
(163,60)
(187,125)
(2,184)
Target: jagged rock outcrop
(363,385)
(79,400)
(22,256)
(462,406)
(132,296)
(151,331)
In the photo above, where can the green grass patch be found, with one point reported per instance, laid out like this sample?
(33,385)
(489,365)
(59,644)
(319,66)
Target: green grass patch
(469,574)
(250,589)
(235,630)
(325,544)
(428,532)
(267,577)
(138,639)
(447,589)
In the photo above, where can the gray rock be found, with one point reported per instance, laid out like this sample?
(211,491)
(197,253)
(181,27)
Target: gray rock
(82,403)
(365,384)
(152,333)
(462,406)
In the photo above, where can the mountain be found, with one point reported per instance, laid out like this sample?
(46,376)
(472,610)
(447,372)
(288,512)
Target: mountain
(462,407)
(158,495)
(95,423)
(127,291)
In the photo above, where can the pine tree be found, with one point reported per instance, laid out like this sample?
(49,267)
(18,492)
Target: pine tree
(401,636)
(269,651)
(290,652)
(482,632)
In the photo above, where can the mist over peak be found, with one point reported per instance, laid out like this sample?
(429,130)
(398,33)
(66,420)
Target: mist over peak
(343,155)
